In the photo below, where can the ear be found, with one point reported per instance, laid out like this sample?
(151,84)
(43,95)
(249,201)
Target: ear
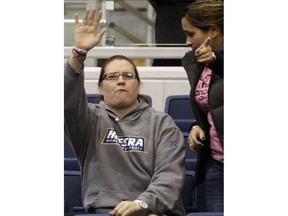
(100,88)
(214,30)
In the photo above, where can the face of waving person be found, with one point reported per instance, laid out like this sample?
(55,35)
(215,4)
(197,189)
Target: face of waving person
(120,88)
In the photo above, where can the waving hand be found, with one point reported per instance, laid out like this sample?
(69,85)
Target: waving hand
(85,35)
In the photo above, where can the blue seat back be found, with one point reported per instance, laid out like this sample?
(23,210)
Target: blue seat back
(188,193)
(179,108)
(68,150)
(72,189)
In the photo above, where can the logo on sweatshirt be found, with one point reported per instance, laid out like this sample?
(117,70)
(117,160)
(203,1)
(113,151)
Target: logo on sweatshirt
(127,143)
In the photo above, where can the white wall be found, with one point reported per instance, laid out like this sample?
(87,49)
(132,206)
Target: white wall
(158,82)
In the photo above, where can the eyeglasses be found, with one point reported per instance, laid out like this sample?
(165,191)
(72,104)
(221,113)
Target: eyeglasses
(116,75)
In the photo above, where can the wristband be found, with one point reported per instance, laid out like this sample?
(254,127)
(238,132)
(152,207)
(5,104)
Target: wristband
(80,51)
(78,55)
(80,58)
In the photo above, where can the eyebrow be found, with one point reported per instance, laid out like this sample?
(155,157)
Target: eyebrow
(189,32)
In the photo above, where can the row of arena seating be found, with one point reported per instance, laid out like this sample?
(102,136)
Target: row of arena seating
(179,108)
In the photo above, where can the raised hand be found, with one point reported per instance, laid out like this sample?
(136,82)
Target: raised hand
(85,35)
(204,53)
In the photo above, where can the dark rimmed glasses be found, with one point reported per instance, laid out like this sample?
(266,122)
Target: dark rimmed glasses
(116,75)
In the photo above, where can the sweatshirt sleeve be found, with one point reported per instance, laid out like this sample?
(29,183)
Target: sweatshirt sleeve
(164,191)
(75,109)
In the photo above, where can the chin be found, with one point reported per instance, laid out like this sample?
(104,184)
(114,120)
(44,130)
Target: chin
(122,103)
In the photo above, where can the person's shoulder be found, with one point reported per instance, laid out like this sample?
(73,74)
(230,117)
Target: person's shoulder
(160,114)
(189,58)
(161,119)
(189,53)
(95,107)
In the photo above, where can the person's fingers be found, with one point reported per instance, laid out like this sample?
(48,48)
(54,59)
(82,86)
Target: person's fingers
(194,139)
(124,208)
(85,18)
(191,145)
(206,55)
(201,49)
(206,42)
(100,34)
(98,18)
(194,145)
(112,213)
(116,211)
(202,135)
(91,17)
(76,18)
(197,51)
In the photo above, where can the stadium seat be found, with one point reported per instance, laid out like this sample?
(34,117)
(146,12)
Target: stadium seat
(188,193)
(149,98)
(92,98)
(65,207)
(68,150)
(201,197)
(179,108)
(72,190)
(190,164)
(71,164)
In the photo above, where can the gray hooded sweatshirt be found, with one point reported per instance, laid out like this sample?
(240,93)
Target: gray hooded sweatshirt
(139,156)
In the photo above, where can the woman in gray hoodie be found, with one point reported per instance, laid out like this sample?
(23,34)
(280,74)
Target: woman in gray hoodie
(132,157)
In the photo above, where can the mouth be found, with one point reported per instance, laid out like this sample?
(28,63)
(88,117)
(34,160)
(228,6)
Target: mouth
(121,90)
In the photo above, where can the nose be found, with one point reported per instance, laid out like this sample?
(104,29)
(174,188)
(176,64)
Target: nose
(120,79)
(188,42)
